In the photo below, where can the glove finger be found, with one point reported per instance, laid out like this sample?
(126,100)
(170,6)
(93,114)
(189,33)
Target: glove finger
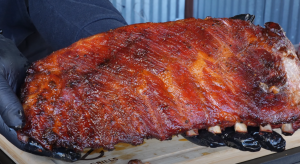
(11,109)
(10,135)
(13,63)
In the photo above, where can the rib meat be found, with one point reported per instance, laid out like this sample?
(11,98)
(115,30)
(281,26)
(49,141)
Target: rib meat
(155,80)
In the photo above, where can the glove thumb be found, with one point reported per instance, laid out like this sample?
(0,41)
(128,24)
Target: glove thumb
(11,109)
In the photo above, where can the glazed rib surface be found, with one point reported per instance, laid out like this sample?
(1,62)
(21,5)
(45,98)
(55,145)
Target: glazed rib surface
(155,80)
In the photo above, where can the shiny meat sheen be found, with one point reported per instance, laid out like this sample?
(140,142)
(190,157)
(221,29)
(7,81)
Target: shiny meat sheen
(155,80)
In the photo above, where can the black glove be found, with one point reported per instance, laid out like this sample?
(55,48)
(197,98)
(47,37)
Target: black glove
(13,67)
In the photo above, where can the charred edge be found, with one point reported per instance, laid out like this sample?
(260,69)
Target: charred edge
(268,140)
(245,17)
(59,153)
(206,138)
(241,141)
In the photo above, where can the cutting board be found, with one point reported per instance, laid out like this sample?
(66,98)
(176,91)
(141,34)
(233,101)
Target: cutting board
(177,150)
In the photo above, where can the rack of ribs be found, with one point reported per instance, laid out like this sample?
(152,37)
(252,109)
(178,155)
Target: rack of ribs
(156,80)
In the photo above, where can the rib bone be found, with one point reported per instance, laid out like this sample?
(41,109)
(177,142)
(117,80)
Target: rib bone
(215,129)
(193,132)
(287,128)
(240,127)
(274,89)
(266,128)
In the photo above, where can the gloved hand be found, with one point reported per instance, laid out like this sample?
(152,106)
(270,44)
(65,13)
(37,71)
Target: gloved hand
(13,67)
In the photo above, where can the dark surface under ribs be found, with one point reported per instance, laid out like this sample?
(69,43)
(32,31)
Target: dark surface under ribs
(155,80)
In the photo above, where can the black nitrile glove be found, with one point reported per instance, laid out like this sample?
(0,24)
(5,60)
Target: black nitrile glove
(13,67)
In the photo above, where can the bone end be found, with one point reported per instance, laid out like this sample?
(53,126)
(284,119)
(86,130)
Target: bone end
(266,128)
(287,128)
(240,127)
(274,89)
(215,129)
(193,132)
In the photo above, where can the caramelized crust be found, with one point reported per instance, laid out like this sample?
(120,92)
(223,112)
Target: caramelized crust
(155,80)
